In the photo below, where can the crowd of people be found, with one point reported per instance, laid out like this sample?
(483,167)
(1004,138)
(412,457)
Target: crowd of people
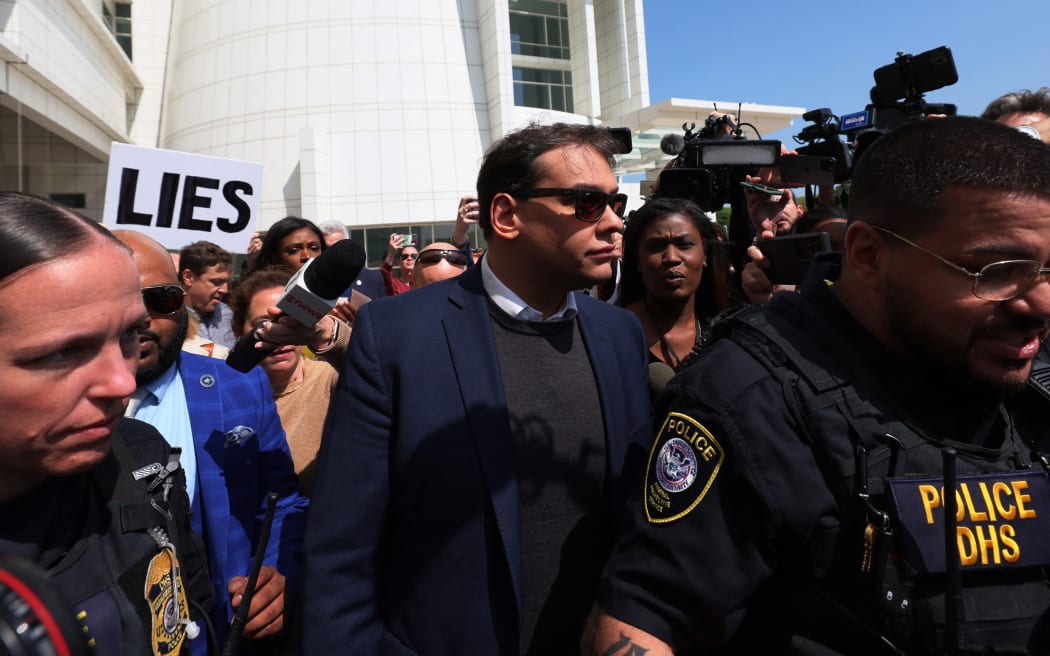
(601,437)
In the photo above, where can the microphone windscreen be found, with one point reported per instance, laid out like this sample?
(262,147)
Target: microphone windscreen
(659,375)
(335,269)
(672,144)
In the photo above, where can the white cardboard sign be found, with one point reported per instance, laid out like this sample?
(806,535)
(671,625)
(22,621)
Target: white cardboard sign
(178,198)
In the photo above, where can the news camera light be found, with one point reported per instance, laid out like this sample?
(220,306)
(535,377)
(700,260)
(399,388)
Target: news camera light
(740,153)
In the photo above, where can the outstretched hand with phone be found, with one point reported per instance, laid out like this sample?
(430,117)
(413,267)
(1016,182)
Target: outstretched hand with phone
(776,214)
(466,215)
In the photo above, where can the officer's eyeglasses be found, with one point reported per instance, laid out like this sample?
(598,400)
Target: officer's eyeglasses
(163,299)
(590,203)
(998,281)
(436,255)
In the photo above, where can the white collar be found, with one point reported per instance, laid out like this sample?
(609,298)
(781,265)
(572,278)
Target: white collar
(514,305)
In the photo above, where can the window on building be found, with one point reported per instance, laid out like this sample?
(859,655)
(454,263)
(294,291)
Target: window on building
(74,201)
(116,14)
(539,28)
(546,89)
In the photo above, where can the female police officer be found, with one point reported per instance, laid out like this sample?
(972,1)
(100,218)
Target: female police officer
(96,500)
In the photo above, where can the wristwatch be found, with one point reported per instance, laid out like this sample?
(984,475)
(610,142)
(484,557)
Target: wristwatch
(1029,130)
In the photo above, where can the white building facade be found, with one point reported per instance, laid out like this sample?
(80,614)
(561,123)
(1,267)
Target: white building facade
(375,113)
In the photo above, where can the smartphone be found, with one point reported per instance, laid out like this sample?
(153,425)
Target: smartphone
(761,188)
(409,239)
(789,256)
(926,71)
(807,170)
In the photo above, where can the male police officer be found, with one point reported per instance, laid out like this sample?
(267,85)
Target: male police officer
(794,492)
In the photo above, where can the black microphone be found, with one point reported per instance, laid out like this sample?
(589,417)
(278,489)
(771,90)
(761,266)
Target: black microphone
(309,295)
(672,144)
(659,375)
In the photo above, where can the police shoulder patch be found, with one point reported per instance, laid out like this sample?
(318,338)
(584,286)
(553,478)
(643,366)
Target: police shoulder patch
(683,464)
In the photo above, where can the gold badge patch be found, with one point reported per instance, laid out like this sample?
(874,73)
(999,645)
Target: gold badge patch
(167,603)
(683,464)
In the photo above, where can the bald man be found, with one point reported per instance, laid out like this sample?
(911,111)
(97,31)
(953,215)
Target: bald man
(233,449)
(438,261)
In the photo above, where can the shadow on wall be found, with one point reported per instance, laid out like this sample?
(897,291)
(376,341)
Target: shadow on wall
(293,194)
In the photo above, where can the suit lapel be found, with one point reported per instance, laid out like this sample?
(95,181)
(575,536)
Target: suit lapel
(608,378)
(469,334)
(205,410)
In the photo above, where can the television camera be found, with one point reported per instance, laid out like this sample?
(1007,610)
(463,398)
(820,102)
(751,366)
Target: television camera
(898,97)
(710,162)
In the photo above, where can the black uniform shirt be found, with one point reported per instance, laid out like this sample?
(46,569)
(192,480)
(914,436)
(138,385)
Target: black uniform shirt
(715,522)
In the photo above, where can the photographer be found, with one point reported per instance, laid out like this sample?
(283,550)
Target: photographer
(407,260)
(771,216)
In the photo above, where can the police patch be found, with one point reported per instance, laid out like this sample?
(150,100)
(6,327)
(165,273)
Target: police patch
(683,464)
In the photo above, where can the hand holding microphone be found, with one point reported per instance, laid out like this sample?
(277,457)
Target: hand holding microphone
(309,295)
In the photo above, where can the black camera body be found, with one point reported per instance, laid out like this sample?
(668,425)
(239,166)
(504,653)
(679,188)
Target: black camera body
(897,98)
(710,164)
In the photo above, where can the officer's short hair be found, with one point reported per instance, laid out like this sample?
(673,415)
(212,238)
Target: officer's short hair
(900,180)
(510,163)
(201,255)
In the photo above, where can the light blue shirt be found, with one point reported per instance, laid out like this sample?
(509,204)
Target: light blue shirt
(163,406)
(216,327)
(514,305)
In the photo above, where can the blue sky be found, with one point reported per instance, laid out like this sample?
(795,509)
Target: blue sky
(822,54)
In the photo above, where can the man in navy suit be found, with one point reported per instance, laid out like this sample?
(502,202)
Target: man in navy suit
(473,458)
(234,450)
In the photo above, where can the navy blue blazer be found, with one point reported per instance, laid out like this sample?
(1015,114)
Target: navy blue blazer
(413,544)
(370,283)
(235,470)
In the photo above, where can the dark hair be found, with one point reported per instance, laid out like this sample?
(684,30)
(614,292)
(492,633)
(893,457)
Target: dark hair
(713,296)
(271,243)
(1023,101)
(240,298)
(510,163)
(201,255)
(902,177)
(814,217)
(34,230)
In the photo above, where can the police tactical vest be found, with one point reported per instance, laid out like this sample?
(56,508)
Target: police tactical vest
(117,574)
(881,589)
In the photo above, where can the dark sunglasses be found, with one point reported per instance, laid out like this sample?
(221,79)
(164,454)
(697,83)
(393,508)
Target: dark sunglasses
(434,256)
(409,256)
(590,203)
(163,299)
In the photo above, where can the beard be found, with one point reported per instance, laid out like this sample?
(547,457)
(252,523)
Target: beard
(958,370)
(167,354)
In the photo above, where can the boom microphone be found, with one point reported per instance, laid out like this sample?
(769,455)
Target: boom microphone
(672,144)
(309,295)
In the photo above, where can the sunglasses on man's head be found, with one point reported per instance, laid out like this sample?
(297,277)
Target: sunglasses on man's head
(163,299)
(590,203)
(436,255)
